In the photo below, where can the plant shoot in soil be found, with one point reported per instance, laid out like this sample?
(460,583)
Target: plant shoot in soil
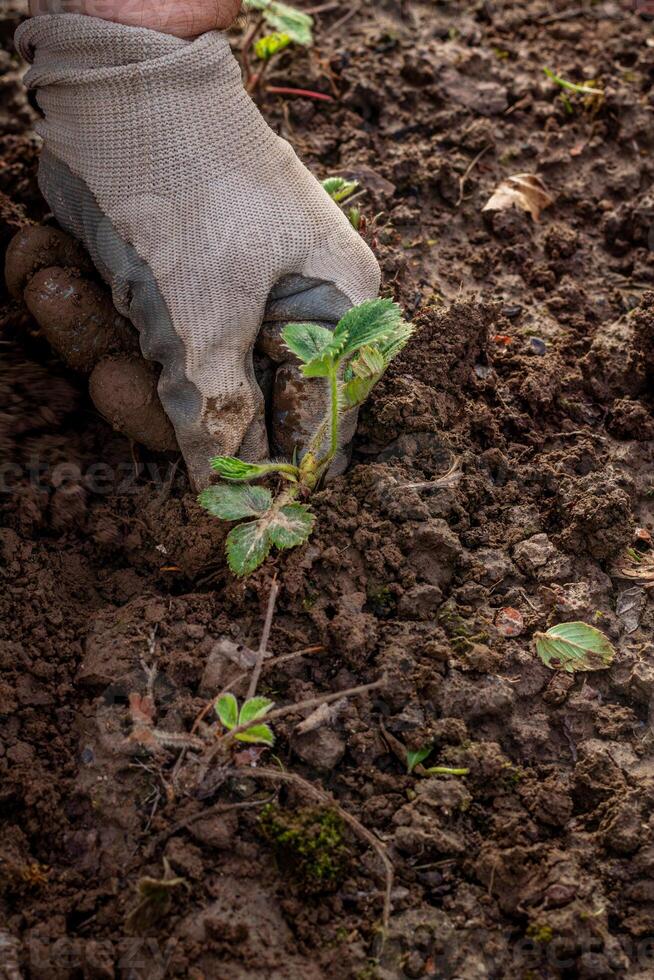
(350,361)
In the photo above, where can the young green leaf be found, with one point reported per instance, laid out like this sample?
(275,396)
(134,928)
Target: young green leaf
(369,363)
(339,189)
(355,392)
(306,340)
(397,341)
(415,758)
(227,710)
(285,18)
(315,345)
(372,321)
(254,708)
(231,468)
(258,734)
(248,545)
(323,366)
(271,44)
(354,217)
(574,647)
(231,503)
(291,526)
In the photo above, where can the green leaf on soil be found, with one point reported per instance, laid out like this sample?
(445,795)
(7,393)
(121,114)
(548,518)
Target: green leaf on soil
(248,545)
(271,44)
(253,709)
(291,526)
(574,647)
(415,758)
(227,710)
(285,18)
(231,503)
(306,340)
(231,468)
(258,734)
(339,188)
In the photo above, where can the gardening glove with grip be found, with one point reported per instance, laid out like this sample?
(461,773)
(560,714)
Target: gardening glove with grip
(192,210)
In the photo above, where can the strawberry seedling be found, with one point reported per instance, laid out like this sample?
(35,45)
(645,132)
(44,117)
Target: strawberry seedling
(252,710)
(288,26)
(349,362)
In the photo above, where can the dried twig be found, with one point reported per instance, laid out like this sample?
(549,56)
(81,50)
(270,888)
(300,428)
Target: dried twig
(265,636)
(449,479)
(217,808)
(344,19)
(471,166)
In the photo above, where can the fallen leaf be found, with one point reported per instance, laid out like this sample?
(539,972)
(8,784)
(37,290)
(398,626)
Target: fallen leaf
(574,647)
(509,622)
(629,607)
(525,191)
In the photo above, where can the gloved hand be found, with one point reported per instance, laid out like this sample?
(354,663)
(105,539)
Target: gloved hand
(194,212)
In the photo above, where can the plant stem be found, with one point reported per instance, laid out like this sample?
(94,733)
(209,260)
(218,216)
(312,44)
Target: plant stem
(572,86)
(333,408)
(265,636)
(330,422)
(446,771)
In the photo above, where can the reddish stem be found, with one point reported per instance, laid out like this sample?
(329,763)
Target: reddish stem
(304,93)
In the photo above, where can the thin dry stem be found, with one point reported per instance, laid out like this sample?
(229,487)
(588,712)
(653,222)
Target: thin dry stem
(265,636)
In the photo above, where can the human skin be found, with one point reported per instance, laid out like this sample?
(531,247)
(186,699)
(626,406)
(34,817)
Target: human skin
(183,18)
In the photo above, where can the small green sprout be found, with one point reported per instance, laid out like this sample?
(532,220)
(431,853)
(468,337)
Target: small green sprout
(270,44)
(339,189)
(251,711)
(286,19)
(414,759)
(350,361)
(594,95)
(354,217)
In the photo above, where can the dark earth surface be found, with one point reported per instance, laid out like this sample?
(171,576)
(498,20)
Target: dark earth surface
(531,374)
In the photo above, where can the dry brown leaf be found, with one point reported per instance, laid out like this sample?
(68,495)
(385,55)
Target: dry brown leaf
(524,191)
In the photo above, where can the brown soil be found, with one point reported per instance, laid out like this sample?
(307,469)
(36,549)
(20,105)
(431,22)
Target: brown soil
(531,369)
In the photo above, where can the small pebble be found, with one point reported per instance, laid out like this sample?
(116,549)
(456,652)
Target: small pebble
(509,622)
(537,346)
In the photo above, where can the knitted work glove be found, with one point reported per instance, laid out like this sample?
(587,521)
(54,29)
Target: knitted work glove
(192,210)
